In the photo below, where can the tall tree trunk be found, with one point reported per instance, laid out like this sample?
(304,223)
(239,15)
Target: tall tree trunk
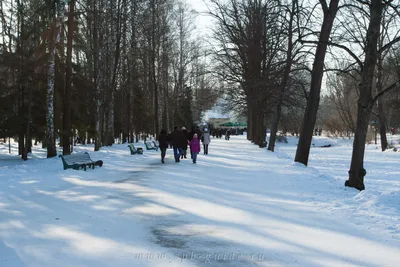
(249,121)
(60,65)
(310,115)
(382,126)
(127,113)
(50,133)
(380,102)
(28,118)
(285,79)
(153,70)
(262,130)
(110,120)
(257,123)
(365,101)
(114,43)
(274,127)
(166,97)
(98,61)
(20,80)
(67,123)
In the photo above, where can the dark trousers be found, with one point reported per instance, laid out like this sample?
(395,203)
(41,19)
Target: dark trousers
(177,153)
(163,152)
(194,156)
(205,147)
(184,152)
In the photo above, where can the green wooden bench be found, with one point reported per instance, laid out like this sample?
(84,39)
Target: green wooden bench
(135,150)
(281,139)
(156,144)
(150,146)
(78,161)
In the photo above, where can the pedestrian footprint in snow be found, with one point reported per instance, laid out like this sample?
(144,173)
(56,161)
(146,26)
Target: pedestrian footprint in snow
(195,147)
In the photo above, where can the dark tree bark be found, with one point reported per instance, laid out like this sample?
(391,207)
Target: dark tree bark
(365,101)
(380,103)
(382,126)
(285,79)
(310,115)
(20,79)
(67,123)
(274,127)
(153,67)
(249,122)
(28,118)
(97,58)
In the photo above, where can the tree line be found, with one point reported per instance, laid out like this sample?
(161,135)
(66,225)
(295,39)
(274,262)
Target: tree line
(273,56)
(99,69)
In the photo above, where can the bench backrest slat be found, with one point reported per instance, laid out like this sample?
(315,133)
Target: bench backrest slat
(150,143)
(77,158)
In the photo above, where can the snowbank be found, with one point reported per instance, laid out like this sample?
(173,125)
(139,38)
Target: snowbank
(238,206)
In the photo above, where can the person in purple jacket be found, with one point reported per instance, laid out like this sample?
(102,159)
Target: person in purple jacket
(195,147)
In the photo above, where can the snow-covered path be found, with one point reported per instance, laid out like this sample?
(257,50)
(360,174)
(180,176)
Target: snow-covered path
(238,206)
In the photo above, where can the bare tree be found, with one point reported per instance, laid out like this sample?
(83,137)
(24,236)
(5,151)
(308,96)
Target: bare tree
(367,100)
(249,42)
(291,20)
(310,115)
(67,125)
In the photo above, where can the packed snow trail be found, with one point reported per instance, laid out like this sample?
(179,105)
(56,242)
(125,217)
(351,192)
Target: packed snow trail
(238,206)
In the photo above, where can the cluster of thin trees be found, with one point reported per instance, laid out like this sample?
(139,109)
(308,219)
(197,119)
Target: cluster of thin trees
(99,69)
(273,56)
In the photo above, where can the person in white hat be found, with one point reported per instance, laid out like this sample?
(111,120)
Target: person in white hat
(185,135)
(206,139)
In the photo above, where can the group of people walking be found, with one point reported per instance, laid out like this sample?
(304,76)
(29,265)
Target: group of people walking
(180,140)
(218,133)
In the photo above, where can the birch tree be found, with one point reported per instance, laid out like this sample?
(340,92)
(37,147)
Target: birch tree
(54,40)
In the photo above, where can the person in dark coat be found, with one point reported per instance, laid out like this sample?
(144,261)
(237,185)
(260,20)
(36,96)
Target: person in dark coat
(163,143)
(220,133)
(178,141)
(185,145)
(169,139)
(227,134)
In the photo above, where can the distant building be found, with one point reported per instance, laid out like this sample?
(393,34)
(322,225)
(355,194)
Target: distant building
(216,118)
(216,122)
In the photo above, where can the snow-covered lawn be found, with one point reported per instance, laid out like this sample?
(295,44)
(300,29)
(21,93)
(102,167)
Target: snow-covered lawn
(238,206)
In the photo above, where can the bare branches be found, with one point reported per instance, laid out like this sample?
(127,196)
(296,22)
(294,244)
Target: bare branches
(389,45)
(324,5)
(395,85)
(354,56)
